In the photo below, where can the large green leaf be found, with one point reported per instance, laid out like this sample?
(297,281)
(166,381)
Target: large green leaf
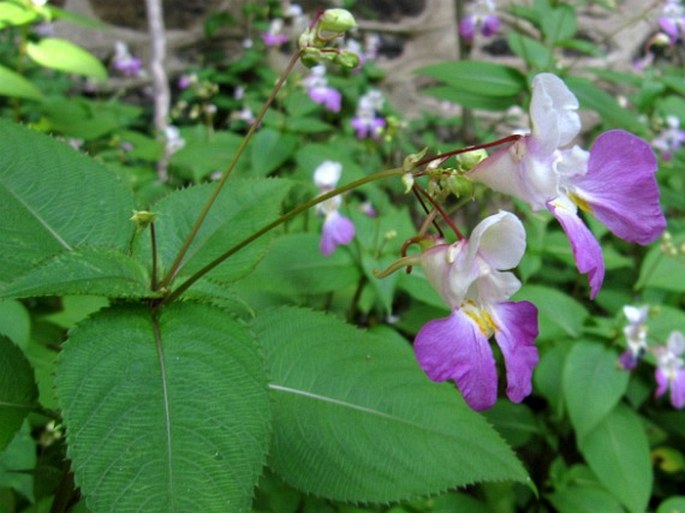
(592,97)
(15,322)
(585,499)
(205,152)
(478,77)
(53,199)
(13,84)
(241,209)
(663,271)
(92,271)
(63,55)
(593,384)
(163,416)
(618,453)
(357,420)
(270,149)
(294,266)
(675,504)
(534,53)
(18,392)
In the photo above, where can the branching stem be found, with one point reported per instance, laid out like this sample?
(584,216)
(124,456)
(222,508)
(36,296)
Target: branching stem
(176,264)
(284,218)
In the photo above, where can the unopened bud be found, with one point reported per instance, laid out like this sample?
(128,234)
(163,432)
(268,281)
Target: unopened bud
(408,181)
(310,56)
(471,159)
(347,59)
(460,186)
(411,160)
(142,218)
(337,20)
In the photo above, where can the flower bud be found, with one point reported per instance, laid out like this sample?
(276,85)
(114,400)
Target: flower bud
(408,181)
(142,218)
(310,56)
(470,159)
(347,59)
(337,21)
(460,186)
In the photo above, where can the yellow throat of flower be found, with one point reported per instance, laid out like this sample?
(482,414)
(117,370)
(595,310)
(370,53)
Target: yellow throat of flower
(481,317)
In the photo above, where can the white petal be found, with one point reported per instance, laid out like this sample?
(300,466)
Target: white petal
(676,343)
(553,112)
(500,240)
(327,175)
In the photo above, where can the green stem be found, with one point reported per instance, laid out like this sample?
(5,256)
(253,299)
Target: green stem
(176,265)
(176,293)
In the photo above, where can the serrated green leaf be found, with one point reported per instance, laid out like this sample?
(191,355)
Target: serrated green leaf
(18,392)
(90,271)
(173,422)
(559,314)
(13,84)
(478,77)
(243,207)
(593,384)
(64,55)
(46,206)
(357,420)
(270,149)
(618,453)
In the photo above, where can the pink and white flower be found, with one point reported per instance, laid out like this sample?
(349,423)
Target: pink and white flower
(636,335)
(337,229)
(367,122)
(319,91)
(670,370)
(470,277)
(614,181)
(672,19)
(482,19)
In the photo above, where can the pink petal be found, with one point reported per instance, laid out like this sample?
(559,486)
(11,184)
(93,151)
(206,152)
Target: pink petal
(490,26)
(518,329)
(455,348)
(586,249)
(467,28)
(678,389)
(661,382)
(621,188)
(336,230)
(330,98)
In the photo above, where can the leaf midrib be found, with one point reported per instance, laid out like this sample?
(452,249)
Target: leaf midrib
(38,218)
(357,407)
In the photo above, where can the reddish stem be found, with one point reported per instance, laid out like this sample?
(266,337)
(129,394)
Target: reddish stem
(444,215)
(445,156)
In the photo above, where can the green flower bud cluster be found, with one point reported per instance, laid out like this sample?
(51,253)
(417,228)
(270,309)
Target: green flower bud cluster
(315,41)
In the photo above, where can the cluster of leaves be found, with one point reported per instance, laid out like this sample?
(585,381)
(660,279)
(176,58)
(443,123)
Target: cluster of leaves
(181,406)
